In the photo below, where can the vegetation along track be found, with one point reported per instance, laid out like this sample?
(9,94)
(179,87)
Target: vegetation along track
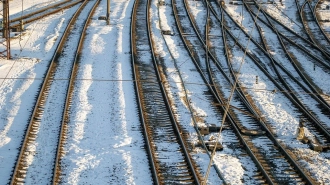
(169,157)
(36,15)
(32,131)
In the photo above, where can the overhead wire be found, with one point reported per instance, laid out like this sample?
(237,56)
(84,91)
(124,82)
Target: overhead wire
(233,88)
(21,48)
(178,82)
(21,28)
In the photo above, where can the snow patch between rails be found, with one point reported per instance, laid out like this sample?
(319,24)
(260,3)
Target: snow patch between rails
(99,42)
(53,37)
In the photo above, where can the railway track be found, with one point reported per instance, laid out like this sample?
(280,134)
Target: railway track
(283,17)
(36,15)
(318,62)
(324,131)
(311,24)
(68,100)
(61,93)
(309,86)
(188,37)
(254,152)
(308,89)
(162,133)
(311,49)
(187,100)
(316,14)
(241,46)
(233,75)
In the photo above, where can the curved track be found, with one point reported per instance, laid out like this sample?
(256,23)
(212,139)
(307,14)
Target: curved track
(311,24)
(279,177)
(309,90)
(313,50)
(65,120)
(31,136)
(255,151)
(317,17)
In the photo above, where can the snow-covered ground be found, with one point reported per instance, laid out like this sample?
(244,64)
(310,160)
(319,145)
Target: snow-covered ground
(103,102)
(105,144)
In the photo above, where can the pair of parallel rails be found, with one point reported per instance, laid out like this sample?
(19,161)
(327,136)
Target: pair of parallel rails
(155,110)
(31,133)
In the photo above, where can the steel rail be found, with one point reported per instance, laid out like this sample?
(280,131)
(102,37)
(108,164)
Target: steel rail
(308,30)
(70,88)
(231,117)
(317,21)
(237,130)
(295,100)
(138,98)
(259,164)
(278,144)
(326,65)
(269,133)
(174,123)
(287,155)
(20,17)
(29,20)
(275,4)
(323,52)
(167,102)
(19,171)
(307,112)
(318,1)
(315,93)
(300,9)
(190,107)
(292,97)
(266,52)
(290,158)
(210,85)
(312,44)
(317,97)
(245,131)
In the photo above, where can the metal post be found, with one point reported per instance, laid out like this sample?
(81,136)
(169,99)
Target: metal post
(242,14)
(5,29)
(108,12)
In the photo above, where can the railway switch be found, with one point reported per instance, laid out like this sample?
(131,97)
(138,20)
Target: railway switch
(161,3)
(204,130)
(212,144)
(167,32)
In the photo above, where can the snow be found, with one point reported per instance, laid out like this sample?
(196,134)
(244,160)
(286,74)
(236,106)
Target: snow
(105,144)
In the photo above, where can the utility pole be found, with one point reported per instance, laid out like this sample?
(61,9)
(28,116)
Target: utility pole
(5,30)
(108,12)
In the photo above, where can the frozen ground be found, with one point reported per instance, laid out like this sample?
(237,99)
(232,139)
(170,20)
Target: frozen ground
(105,145)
